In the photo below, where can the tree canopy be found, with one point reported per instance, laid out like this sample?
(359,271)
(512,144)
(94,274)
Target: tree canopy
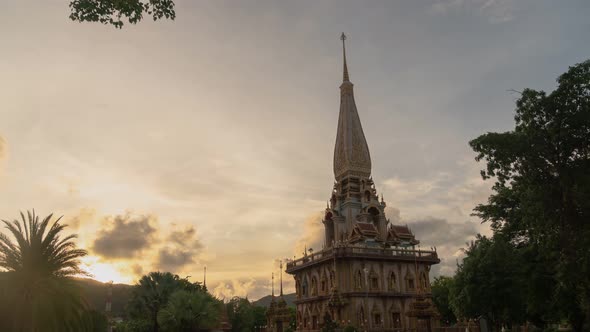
(159,291)
(488,283)
(541,194)
(441,293)
(115,12)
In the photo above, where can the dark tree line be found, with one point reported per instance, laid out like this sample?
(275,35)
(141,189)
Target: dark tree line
(536,267)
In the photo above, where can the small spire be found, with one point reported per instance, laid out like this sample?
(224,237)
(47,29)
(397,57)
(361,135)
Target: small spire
(345,78)
(205,277)
(273,284)
(281,264)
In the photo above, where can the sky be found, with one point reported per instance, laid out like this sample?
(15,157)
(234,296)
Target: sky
(208,140)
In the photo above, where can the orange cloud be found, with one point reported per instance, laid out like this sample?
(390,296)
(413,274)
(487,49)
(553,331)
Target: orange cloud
(313,234)
(84,217)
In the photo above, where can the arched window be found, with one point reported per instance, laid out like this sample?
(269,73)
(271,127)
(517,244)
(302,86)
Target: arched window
(362,318)
(396,321)
(358,280)
(332,279)
(374,212)
(367,196)
(324,284)
(377,320)
(392,282)
(304,287)
(374,281)
(298,287)
(423,281)
(410,283)
(314,286)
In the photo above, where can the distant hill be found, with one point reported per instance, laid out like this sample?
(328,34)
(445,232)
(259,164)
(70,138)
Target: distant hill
(265,301)
(95,293)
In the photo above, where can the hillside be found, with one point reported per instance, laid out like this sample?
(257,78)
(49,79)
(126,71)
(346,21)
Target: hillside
(265,301)
(95,293)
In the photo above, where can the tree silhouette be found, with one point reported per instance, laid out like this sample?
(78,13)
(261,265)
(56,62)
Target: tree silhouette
(189,311)
(152,293)
(37,289)
(541,193)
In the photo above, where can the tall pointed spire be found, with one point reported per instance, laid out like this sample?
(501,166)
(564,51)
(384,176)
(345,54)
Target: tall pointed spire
(345,77)
(205,277)
(351,152)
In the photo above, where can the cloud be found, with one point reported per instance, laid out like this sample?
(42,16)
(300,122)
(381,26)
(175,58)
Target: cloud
(183,248)
(3,148)
(313,234)
(253,288)
(436,231)
(497,11)
(173,259)
(85,216)
(125,236)
(136,269)
(448,238)
(181,237)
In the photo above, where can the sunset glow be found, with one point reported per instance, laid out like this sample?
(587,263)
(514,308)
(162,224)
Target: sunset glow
(209,140)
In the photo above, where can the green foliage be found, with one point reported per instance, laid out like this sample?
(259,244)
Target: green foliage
(37,292)
(94,321)
(152,293)
(292,317)
(541,199)
(113,12)
(350,328)
(189,311)
(241,314)
(259,314)
(329,324)
(134,325)
(441,292)
(488,283)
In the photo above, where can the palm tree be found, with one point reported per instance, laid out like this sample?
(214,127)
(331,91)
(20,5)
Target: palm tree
(150,294)
(39,267)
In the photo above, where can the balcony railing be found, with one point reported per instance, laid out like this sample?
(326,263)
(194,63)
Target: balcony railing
(356,251)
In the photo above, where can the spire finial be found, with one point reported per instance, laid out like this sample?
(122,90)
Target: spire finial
(345,78)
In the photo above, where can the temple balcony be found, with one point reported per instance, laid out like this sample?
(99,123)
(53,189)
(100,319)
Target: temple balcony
(348,252)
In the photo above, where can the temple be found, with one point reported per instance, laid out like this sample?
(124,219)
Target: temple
(369,274)
(277,315)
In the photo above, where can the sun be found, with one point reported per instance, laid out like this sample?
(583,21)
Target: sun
(105,272)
